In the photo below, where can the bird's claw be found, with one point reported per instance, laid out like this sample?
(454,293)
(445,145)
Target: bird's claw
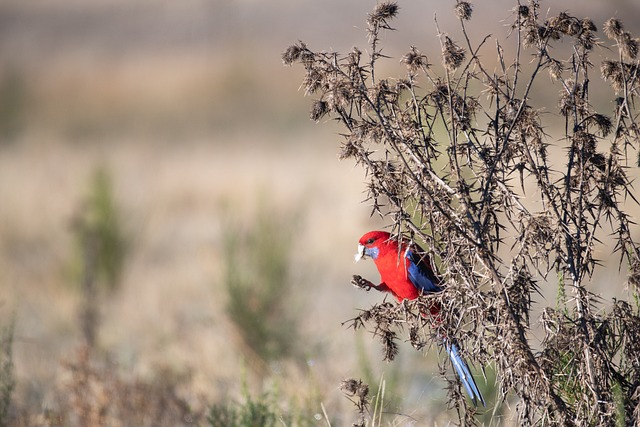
(362,283)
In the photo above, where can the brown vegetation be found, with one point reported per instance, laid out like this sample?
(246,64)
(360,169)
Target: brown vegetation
(458,158)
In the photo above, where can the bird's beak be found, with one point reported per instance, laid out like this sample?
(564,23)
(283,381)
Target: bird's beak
(360,253)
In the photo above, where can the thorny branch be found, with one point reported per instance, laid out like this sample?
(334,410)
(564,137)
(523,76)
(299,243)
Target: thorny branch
(442,148)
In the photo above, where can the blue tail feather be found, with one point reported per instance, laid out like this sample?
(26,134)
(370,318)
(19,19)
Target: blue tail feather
(464,374)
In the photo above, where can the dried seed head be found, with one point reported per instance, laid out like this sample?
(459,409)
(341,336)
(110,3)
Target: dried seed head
(382,13)
(629,46)
(349,149)
(400,85)
(318,110)
(338,93)
(414,60)
(571,99)
(312,81)
(523,11)
(565,24)
(509,111)
(390,346)
(383,92)
(350,386)
(363,392)
(572,28)
(613,28)
(464,10)
(353,58)
(587,40)
(531,36)
(549,31)
(608,69)
(292,54)
(588,25)
(452,54)
(617,73)
(555,69)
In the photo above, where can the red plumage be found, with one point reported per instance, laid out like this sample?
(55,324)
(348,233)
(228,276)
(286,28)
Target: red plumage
(406,272)
(394,264)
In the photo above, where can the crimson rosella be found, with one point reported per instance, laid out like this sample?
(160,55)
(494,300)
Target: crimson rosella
(406,273)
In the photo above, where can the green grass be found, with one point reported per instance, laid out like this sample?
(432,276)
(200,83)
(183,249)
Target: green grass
(268,409)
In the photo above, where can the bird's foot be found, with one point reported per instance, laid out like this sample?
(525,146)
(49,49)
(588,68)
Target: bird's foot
(362,283)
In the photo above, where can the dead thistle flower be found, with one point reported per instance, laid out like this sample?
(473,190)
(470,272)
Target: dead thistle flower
(588,25)
(565,24)
(348,150)
(357,389)
(452,54)
(382,13)
(312,81)
(319,109)
(351,387)
(523,11)
(613,28)
(414,60)
(586,38)
(291,55)
(531,36)
(619,74)
(555,69)
(294,53)
(464,10)
(629,46)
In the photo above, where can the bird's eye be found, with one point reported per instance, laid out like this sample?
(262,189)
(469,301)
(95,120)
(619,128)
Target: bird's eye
(370,241)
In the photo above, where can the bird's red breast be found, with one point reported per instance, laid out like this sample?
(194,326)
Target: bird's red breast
(391,262)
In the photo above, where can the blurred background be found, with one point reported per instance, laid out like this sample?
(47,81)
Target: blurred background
(171,222)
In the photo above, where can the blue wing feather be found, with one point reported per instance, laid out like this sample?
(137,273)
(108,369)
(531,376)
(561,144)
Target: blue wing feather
(422,276)
(464,374)
(420,273)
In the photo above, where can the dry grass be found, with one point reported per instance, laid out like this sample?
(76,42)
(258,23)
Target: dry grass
(168,317)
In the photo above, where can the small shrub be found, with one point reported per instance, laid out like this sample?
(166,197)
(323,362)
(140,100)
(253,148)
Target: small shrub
(98,231)
(259,286)
(100,249)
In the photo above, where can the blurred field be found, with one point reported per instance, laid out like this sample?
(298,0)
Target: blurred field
(188,108)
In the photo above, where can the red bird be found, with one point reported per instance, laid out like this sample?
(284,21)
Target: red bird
(406,272)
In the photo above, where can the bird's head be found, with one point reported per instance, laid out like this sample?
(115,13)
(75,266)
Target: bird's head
(371,243)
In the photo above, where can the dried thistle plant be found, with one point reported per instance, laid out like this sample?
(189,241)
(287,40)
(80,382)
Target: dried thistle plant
(464,10)
(450,154)
(452,54)
(358,392)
